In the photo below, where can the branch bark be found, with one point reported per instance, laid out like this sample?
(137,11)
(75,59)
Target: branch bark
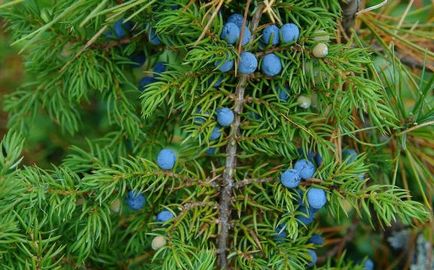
(349,10)
(228,180)
(227,185)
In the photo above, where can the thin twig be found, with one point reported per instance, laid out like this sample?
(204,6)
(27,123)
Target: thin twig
(207,26)
(188,206)
(268,8)
(429,123)
(372,8)
(349,234)
(294,48)
(405,59)
(243,26)
(231,160)
(197,182)
(249,181)
(87,45)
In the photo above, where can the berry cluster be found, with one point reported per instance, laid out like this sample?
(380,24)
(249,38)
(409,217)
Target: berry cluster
(271,35)
(303,169)
(232,30)
(136,201)
(291,178)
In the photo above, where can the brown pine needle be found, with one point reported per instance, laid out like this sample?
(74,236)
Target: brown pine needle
(210,21)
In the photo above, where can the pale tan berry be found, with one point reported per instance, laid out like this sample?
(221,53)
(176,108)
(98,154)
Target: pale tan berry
(320,50)
(158,242)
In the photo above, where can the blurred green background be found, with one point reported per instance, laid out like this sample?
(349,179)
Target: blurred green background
(11,71)
(43,146)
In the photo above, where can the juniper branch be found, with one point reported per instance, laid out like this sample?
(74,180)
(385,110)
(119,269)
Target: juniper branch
(228,181)
(231,160)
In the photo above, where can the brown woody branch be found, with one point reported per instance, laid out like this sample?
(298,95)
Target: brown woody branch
(231,160)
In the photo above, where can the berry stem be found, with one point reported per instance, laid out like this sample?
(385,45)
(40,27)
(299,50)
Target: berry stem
(227,185)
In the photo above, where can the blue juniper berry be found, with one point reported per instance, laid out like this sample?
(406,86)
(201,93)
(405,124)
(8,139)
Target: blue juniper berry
(159,67)
(280,233)
(246,36)
(120,29)
(215,134)
(283,95)
(316,239)
(313,257)
(138,60)
(145,81)
(290,178)
(135,201)
(153,37)
(164,216)
(316,197)
(369,265)
(271,65)
(305,168)
(270,34)
(306,215)
(166,159)
(230,33)
(225,117)
(217,82)
(349,155)
(211,151)
(248,63)
(225,66)
(237,19)
(289,32)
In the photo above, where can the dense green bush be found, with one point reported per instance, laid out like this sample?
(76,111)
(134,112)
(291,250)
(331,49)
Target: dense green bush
(173,148)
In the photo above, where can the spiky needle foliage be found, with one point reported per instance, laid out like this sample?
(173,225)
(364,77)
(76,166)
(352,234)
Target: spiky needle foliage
(227,203)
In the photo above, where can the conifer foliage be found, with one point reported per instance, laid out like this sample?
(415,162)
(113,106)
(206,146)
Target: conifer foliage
(219,134)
